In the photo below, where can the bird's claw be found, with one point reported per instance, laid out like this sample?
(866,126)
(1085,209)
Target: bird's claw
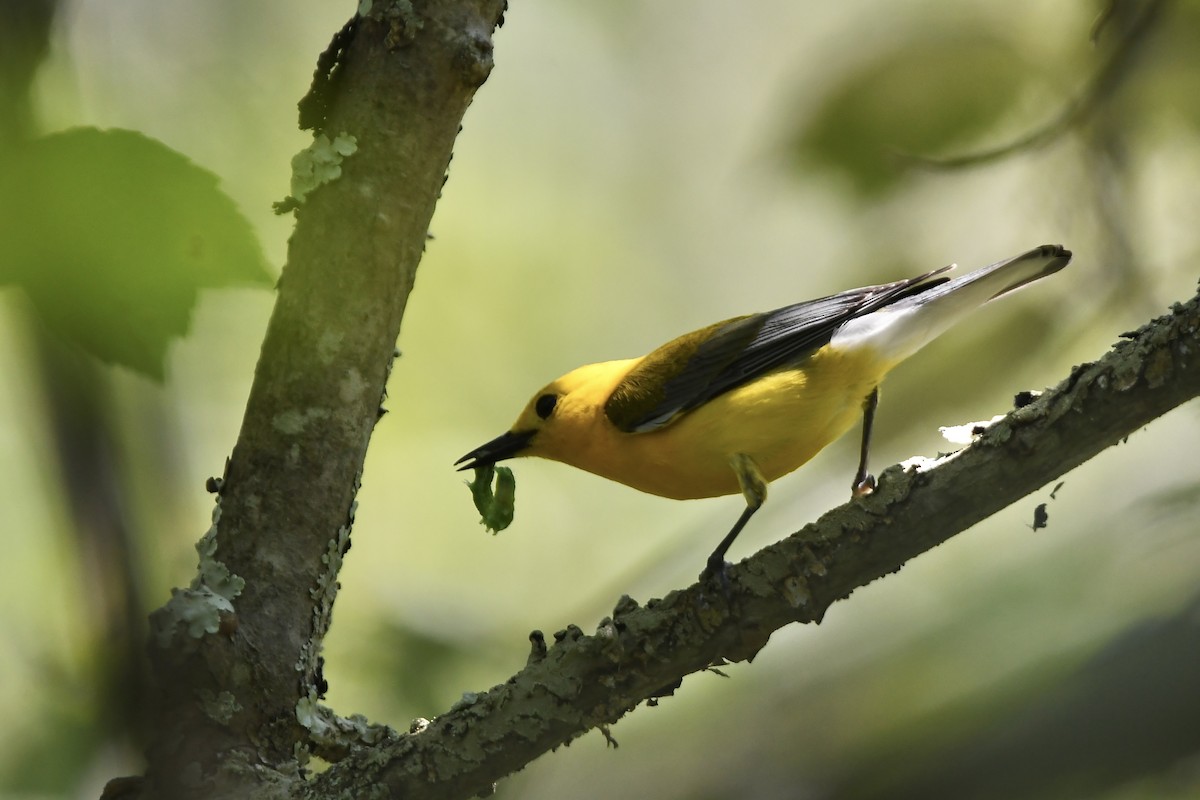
(717,571)
(863,487)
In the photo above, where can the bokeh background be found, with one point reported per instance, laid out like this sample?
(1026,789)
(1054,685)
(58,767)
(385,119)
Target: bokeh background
(631,171)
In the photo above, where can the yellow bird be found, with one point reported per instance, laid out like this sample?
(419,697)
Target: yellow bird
(735,405)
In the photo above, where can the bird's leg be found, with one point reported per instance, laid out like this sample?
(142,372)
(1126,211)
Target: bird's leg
(864,482)
(754,489)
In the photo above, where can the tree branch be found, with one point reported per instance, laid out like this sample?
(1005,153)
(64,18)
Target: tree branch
(582,682)
(1102,85)
(237,654)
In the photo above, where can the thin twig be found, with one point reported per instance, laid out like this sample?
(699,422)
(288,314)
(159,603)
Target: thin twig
(1103,84)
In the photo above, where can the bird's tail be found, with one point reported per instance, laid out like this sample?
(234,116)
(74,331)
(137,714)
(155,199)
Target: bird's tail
(902,328)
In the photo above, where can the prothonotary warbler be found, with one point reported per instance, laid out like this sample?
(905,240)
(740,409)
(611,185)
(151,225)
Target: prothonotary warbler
(735,405)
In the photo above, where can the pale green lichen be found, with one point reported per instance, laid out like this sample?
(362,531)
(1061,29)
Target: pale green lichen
(300,753)
(320,163)
(351,386)
(329,346)
(198,611)
(290,422)
(220,706)
(324,592)
(468,699)
(327,585)
(305,659)
(211,573)
(293,422)
(403,21)
(308,714)
(198,608)
(363,730)
(328,729)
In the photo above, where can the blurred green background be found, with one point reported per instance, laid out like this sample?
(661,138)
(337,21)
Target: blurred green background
(629,172)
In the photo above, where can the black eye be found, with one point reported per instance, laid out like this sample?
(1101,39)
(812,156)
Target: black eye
(545,405)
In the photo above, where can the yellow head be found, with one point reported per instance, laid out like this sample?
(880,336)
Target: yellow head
(564,421)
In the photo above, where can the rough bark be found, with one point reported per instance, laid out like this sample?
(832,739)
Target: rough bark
(587,681)
(237,654)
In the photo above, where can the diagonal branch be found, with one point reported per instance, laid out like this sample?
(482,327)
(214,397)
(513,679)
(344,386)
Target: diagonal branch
(582,682)
(237,655)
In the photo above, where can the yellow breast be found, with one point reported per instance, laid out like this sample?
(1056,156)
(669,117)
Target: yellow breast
(781,420)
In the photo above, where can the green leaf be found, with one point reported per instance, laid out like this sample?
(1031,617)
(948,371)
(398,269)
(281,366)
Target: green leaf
(112,234)
(929,98)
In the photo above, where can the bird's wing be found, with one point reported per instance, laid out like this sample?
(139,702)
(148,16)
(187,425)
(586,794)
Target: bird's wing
(689,371)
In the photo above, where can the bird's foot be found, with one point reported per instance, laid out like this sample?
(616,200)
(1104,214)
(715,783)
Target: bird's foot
(716,572)
(863,486)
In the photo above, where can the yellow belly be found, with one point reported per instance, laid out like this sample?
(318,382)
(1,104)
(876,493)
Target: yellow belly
(780,420)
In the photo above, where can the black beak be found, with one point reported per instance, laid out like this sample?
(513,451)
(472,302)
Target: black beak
(506,445)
